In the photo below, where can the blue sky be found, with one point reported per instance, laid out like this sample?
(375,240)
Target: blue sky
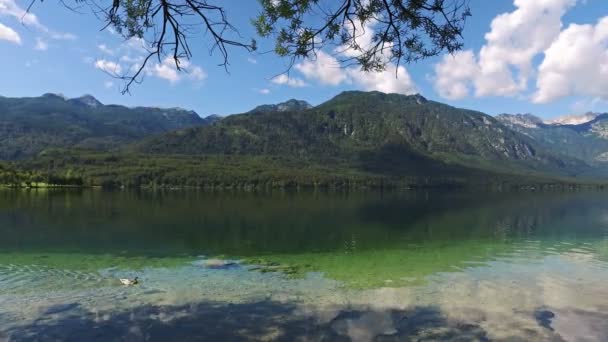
(547,57)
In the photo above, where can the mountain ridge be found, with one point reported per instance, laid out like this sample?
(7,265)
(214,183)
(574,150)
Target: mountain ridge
(29,125)
(354,139)
(354,123)
(289,105)
(586,140)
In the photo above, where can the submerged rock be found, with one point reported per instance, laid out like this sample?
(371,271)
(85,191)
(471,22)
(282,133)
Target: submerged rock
(218,263)
(265,266)
(544,318)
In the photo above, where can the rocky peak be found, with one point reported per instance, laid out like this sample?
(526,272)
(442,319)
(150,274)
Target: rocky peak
(523,120)
(289,105)
(55,95)
(573,119)
(87,100)
(419,99)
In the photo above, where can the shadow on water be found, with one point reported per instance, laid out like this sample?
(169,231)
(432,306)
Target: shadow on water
(271,320)
(266,320)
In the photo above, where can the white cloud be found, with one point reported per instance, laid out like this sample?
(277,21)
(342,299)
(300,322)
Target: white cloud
(575,64)
(136,44)
(129,59)
(41,44)
(264,91)
(168,71)
(363,38)
(108,84)
(504,64)
(108,66)
(63,36)
(324,68)
(197,73)
(132,55)
(7,33)
(390,80)
(454,74)
(105,49)
(252,60)
(292,82)
(327,69)
(10,8)
(165,70)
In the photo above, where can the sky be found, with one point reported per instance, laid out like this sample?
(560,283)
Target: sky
(545,57)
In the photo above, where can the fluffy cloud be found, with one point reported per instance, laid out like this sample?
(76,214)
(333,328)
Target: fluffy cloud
(7,33)
(292,82)
(575,64)
(10,8)
(504,64)
(132,54)
(390,80)
(62,36)
(168,71)
(363,38)
(165,70)
(105,49)
(324,68)
(454,73)
(108,66)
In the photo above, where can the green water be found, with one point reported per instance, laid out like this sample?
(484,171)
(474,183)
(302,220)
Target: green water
(316,266)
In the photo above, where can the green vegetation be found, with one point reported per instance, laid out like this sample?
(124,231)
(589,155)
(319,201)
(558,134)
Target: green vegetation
(390,133)
(60,168)
(587,141)
(31,125)
(356,140)
(88,262)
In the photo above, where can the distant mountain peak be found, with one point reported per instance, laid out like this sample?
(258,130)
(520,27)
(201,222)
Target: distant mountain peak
(524,120)
(419,98)
(573,119)
(55,95)
(289,105)
(87,100)
(178,109)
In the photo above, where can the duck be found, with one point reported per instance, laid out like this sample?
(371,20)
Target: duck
(129,282)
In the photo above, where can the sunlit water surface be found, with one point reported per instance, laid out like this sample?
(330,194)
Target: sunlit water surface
(312,266)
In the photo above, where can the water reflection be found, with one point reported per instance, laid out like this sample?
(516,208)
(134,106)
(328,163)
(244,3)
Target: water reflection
(362,266)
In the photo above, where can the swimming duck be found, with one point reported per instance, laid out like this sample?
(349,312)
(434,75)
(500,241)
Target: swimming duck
(128,282)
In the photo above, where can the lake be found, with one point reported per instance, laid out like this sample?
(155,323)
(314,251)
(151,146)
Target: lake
(310,266)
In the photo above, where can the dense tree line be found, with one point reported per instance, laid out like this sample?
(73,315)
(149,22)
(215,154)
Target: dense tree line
(61,168)
(11,176)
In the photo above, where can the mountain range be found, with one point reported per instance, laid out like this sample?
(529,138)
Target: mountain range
(370,129)
(584,137)
(354,137)
(287,106)
(31,125)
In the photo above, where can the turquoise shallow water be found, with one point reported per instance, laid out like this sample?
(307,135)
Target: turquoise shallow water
(310,266)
